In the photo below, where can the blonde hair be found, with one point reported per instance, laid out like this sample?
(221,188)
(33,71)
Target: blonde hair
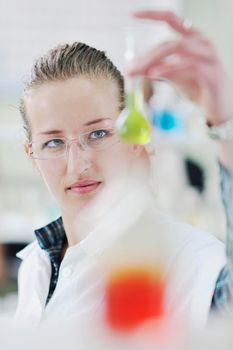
(67,61)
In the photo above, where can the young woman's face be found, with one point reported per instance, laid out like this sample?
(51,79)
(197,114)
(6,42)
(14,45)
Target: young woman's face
(64,110)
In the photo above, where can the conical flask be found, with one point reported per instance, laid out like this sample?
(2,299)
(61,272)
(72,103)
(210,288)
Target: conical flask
(132,125)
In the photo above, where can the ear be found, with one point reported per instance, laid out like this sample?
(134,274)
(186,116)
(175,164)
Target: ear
(26,148)
(27,151)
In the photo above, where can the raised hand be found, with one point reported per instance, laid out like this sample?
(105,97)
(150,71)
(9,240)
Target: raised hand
(191,63)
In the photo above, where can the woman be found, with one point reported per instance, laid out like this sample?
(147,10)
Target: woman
(69,109)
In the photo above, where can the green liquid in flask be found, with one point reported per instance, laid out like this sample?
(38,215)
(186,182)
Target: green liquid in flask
(132,126)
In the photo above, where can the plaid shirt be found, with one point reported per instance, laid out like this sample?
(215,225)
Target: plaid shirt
(223,293)
(52,239)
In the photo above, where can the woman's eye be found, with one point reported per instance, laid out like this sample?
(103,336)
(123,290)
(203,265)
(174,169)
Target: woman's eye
(98,134)
(53,143)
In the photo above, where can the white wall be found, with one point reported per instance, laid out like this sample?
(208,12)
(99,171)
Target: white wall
(214,18)
(29,27)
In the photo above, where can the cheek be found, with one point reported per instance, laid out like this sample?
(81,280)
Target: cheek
(51,175)
(116,161)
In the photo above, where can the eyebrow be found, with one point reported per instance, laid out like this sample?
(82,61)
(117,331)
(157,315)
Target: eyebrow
(50,132)
(96,121)
(55,131)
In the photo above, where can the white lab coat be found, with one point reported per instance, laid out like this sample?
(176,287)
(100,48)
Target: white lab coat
(191,260)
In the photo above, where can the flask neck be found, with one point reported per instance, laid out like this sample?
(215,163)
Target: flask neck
(134,94)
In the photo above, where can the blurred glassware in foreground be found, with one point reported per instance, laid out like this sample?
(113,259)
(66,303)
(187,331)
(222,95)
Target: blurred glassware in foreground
(134,295)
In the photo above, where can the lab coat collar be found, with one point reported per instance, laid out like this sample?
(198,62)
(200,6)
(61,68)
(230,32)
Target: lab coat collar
(23,254)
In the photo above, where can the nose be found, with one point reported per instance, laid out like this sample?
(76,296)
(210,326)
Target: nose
(78,160)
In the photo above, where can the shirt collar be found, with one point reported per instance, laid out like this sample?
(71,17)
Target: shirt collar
(51,235)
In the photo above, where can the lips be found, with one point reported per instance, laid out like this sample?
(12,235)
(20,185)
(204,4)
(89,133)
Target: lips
(85,186)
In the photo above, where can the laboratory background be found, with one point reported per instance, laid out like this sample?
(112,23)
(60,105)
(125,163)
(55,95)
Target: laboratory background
(27,29)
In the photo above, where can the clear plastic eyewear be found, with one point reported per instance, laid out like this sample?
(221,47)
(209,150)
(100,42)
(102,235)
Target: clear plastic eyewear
(94,140)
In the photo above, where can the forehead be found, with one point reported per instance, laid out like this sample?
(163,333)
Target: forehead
(73,101)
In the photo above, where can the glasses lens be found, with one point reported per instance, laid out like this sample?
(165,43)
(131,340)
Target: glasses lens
(99,139)
(50,149)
